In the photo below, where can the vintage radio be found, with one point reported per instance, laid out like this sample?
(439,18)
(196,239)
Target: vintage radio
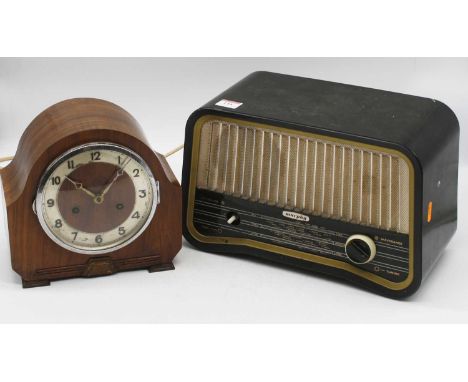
(348,181)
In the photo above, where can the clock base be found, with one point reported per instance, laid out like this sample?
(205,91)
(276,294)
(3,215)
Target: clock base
(35,283)
(103,271)
(161,267)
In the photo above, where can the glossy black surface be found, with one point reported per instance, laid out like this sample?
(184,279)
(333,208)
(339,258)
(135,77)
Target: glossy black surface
(423,129)
(318,236)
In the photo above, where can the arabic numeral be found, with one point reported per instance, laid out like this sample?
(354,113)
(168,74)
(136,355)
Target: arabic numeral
(142,193)
(58,223)
(75,234)
(136,173)
(136,215)
(71,164)
(50,202)
(55,180)
(98,239)
(96,155)
(122,231)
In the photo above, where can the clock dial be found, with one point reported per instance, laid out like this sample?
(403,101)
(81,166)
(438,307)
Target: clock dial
(96,198)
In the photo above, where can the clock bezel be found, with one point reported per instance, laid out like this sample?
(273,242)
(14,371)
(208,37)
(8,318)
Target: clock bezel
(39,205)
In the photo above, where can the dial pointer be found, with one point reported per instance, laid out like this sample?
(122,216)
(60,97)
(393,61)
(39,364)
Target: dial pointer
(79,186)
(117,174)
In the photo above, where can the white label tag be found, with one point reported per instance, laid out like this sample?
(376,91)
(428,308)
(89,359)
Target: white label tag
(229,104)
(295,216)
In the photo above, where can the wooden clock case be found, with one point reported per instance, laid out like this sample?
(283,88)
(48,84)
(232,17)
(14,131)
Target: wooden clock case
(35,257)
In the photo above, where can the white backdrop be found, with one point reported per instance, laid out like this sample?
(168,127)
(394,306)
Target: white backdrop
(161,93)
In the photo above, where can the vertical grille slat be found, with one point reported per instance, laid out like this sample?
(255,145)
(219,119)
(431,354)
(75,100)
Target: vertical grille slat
(249,164)
(319,169)
(231,164)
(302,174)
(292,172)
(326,173)
(342,181)
(257,164)
(239,173)
(366,193)
(223,153)
(312,176)
(283,173)
(275,170)
(332,180)
(385,191)
(348,191)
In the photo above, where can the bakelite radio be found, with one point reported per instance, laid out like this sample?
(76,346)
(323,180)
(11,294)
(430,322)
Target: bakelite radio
(352,182)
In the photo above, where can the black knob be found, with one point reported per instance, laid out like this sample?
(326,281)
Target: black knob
(360,249)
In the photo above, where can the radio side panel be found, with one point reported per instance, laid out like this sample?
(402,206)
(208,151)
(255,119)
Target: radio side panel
(439,153)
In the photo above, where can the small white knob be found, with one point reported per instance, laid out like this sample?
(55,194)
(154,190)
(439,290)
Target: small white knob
(233,218)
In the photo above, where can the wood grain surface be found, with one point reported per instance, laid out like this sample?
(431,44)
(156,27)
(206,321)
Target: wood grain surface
(59,128)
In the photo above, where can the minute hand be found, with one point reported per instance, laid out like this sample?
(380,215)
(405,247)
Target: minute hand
(117,174)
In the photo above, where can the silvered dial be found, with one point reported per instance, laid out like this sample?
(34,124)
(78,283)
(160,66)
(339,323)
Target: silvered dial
(96,198)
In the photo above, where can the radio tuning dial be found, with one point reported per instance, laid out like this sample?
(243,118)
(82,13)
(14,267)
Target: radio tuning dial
(360,249)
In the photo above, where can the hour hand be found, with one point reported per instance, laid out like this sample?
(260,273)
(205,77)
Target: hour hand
(79,186)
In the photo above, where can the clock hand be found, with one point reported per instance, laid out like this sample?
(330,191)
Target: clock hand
(118,173)
(79,186)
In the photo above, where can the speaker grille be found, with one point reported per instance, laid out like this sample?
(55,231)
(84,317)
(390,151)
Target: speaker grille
(320,177)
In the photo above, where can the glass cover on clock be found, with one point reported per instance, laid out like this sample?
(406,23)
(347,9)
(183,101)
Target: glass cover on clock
(96,198)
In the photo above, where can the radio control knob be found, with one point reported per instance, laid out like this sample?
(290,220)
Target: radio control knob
(232,218)
(360,249)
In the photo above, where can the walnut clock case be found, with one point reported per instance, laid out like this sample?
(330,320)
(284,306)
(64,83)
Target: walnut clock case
(86,196)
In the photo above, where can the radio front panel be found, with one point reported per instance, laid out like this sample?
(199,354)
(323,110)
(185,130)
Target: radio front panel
(303,196)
